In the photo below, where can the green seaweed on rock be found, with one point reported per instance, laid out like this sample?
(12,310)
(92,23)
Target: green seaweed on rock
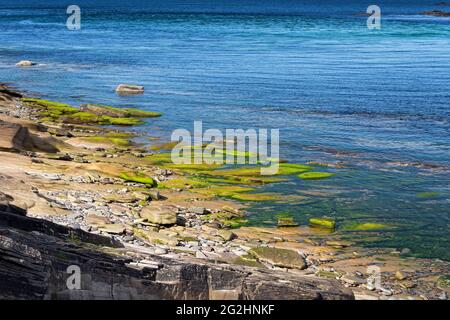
(256,197)
(315,175)
(119,142)
(50,105)
(366,226)
(323,222)
(137,177)
(427,195)
(102,110)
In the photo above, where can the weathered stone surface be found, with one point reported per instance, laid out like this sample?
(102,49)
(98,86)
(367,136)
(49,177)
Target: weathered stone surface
(159,215)
(6,205)
(35,255)
(279,257)
(129,89)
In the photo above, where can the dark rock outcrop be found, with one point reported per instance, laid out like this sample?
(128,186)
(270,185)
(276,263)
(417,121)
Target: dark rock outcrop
(35,256)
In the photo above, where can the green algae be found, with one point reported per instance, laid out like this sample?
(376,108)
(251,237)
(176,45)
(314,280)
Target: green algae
(444,281)
(248,181)
(248,261)
(181,183)
(50,105)
(255,171)
(159,159)
(323,222)
(120,135)
(164,146)
(328,274)
(119,142)
(292,168)
(427,195)
(102,110)
(234,223)
(256,196)
(222,190)
(192,167)
(315,175)
(366,226)
(61,112)
(137,177)
(121,121)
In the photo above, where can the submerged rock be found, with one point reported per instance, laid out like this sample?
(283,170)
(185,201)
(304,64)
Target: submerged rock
(286,222)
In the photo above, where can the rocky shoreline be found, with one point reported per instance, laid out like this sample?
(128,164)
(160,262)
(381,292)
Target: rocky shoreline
(66,166)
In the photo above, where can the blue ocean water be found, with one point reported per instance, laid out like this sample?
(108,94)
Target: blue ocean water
(377,101)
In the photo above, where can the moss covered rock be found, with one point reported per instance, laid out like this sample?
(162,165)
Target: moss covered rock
(286,221)
(101,110)
(324,222)
(365,226)
(137,177)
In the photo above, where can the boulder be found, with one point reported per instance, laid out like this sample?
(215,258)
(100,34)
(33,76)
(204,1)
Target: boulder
(283,258)
(159,215)
(25,63)
(129,89)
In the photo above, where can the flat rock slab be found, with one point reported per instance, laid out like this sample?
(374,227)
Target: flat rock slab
(283,258)
(12,135)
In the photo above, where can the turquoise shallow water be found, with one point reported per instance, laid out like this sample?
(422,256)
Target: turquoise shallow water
(376,101)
